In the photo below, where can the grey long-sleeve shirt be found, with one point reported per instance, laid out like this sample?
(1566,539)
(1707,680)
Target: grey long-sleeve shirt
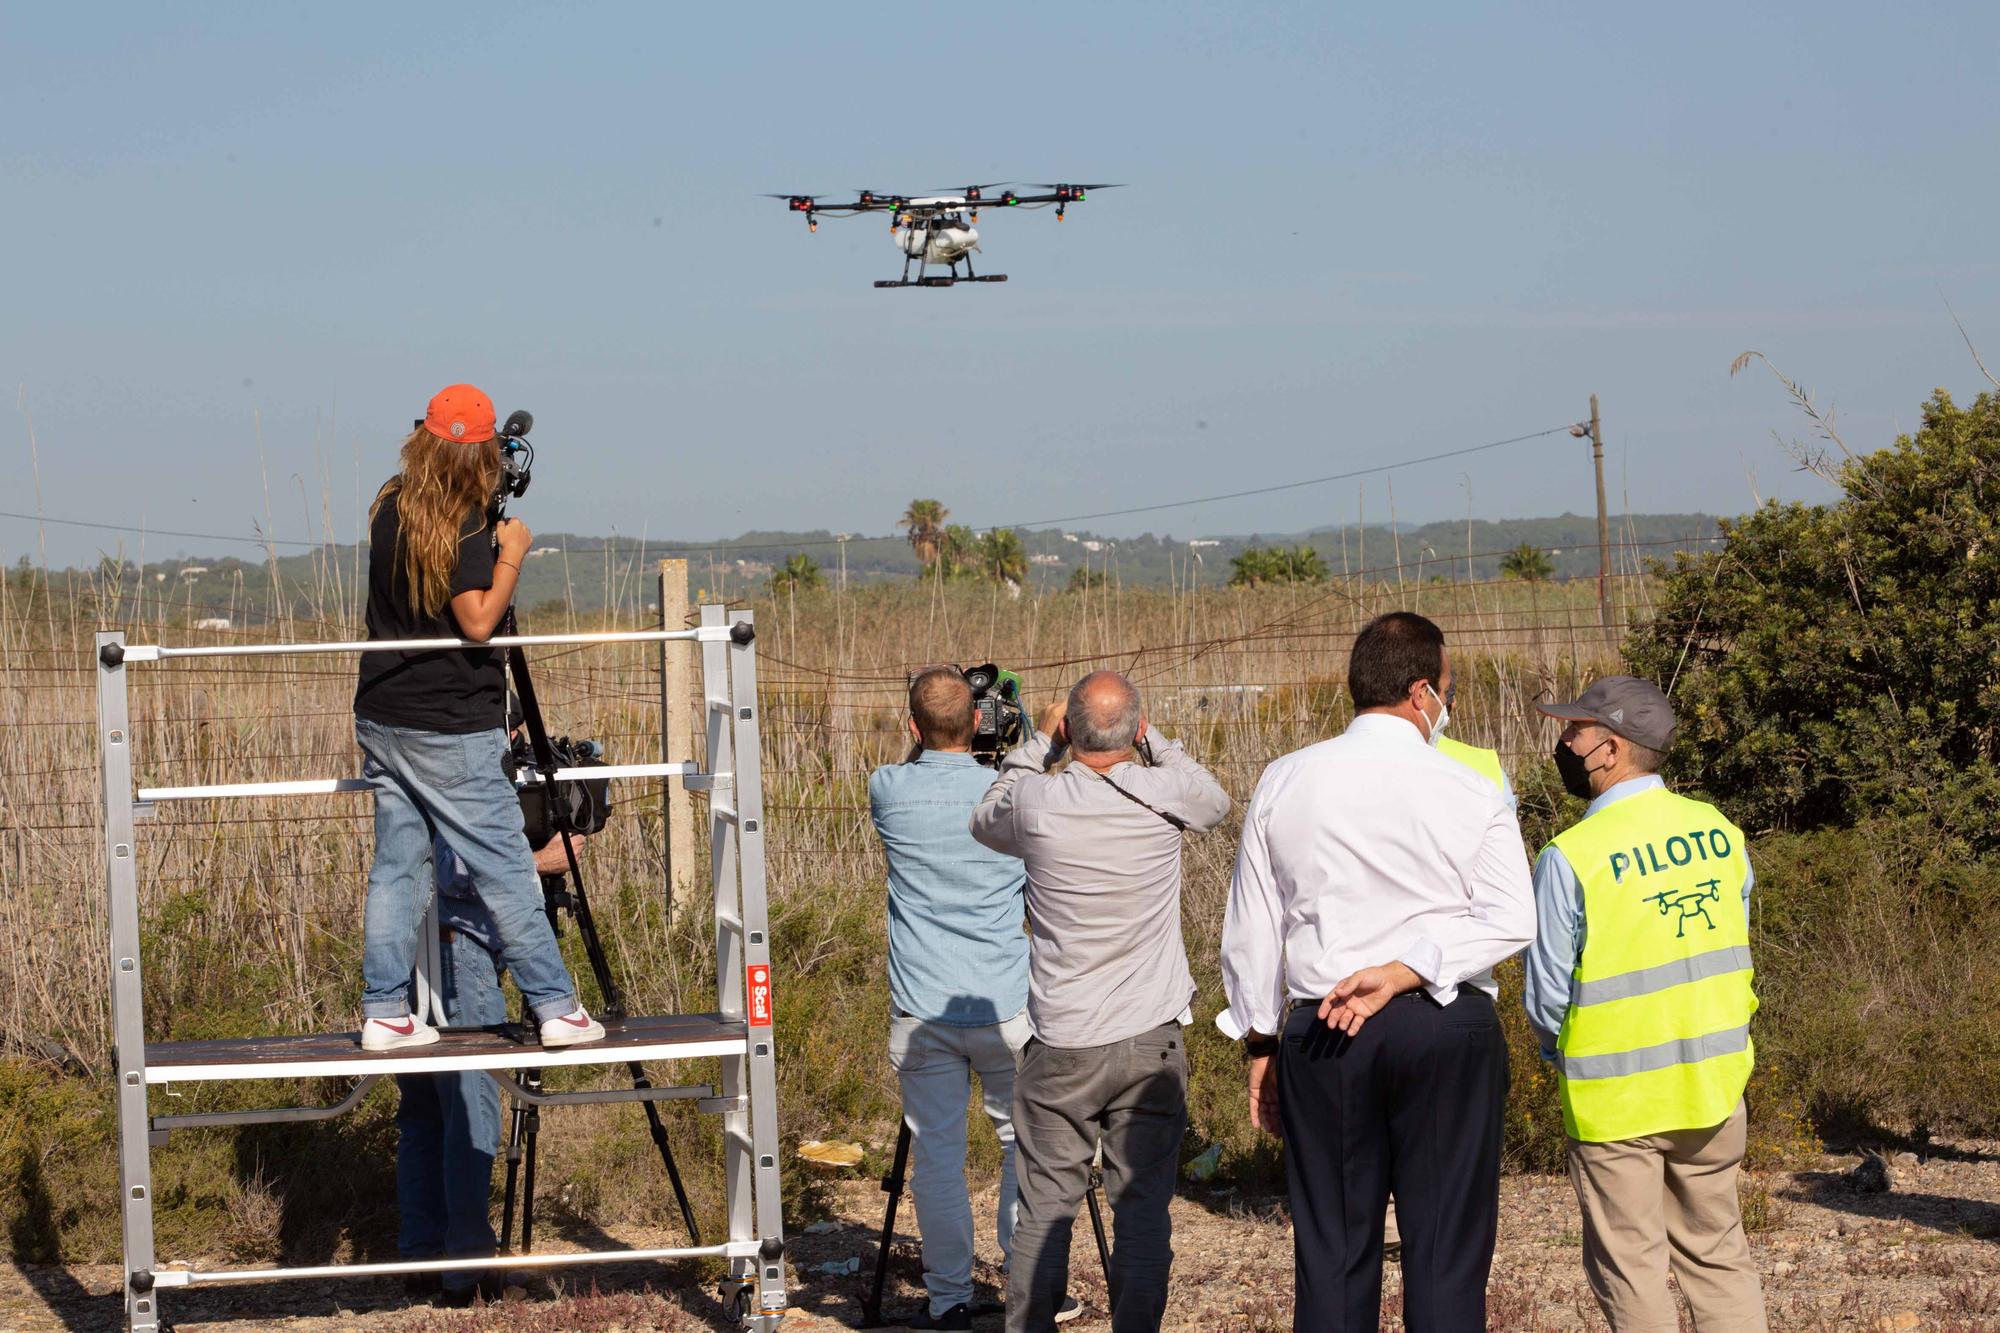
(1104,886)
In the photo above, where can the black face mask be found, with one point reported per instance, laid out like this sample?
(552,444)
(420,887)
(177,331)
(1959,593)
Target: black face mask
(1570,765)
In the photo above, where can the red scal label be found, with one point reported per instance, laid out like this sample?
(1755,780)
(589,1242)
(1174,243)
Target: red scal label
(759,977)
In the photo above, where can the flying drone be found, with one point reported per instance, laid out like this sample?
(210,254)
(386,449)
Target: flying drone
(937,229)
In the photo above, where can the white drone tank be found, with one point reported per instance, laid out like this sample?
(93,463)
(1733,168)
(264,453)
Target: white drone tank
(946,243)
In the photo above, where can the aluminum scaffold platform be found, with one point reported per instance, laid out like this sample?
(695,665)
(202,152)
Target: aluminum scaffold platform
(739,1031)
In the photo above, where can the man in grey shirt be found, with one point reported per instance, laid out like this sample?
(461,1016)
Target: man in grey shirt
(1108,989)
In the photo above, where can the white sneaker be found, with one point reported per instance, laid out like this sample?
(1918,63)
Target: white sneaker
(1070,1308)
(571,1029)
(379,1034)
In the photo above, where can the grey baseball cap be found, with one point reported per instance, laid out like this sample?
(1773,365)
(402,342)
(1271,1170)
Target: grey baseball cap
(1629,706)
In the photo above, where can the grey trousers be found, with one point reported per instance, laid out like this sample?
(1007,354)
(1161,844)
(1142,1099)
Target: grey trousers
(1133,1095)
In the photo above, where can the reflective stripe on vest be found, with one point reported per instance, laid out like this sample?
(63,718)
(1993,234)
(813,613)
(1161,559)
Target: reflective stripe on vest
(1486,763)
(1657,1037)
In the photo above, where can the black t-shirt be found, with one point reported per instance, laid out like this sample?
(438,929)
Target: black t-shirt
(455,690)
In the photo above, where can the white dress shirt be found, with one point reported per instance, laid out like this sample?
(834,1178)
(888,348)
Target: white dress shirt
(1366,849)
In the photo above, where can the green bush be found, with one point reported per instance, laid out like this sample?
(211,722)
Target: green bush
(1836,672)
(1833,663)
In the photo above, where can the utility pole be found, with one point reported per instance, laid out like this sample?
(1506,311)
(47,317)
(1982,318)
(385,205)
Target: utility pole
(1603,520)
(676,738)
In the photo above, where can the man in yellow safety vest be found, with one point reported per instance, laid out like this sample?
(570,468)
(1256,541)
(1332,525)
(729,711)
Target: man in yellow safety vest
(1639,984)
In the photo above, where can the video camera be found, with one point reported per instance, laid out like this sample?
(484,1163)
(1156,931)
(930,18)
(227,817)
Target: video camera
(517,461)
(587,803)
(1000,721)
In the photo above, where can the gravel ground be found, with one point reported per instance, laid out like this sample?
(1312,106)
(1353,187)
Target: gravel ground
(1924,1254)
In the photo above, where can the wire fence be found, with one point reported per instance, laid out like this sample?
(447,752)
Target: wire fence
(253,907)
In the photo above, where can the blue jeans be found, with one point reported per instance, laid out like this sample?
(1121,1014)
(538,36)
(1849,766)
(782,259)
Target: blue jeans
(934,1063)
(429,782)
(448,1129)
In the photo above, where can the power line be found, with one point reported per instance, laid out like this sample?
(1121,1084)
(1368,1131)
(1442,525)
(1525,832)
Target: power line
(1295,485)
(691,548)
(156,532)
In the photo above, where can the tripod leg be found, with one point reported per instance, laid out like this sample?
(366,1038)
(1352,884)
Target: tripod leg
(1097,1224)
(659,1132)
(517,1137)
(532,1079)
(892,1185)
(516,1129)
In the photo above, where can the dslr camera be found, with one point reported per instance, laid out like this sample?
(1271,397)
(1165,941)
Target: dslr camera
(547,808)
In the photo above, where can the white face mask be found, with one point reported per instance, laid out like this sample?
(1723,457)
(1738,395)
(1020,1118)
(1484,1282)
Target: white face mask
(1435,730)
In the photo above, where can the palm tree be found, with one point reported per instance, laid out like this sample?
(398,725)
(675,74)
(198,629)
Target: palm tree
(1002,557)
(925,521)
(799,573)
(1527,562)
(956,552)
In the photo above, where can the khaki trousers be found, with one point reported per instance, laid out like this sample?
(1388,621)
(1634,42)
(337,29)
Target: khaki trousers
(1668,1200)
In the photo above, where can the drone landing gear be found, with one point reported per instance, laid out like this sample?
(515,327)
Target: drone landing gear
(924,280)
(942,282)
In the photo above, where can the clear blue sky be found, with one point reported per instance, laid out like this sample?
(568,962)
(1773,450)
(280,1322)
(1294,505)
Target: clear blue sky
(1352,234)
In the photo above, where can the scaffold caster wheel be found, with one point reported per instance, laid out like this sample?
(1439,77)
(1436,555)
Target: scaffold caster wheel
(739,1304)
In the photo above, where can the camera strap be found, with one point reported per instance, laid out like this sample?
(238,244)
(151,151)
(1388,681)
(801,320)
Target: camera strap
(1175,820)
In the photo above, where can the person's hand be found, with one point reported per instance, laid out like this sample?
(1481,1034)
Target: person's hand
(1264,1095)
(1051,721)
(514,538)
(549,857)
(1361,996)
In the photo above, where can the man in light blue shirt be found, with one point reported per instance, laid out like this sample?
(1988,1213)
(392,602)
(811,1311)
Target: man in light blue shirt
(958,979)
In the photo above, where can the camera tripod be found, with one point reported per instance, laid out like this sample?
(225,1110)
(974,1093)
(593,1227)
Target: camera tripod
(565,892)
(892,1185)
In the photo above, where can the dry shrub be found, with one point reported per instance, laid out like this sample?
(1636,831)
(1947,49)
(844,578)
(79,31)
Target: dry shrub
(1761,1210)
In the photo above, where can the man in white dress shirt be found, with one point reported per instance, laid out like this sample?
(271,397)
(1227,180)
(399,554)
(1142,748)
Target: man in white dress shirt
(1378,884)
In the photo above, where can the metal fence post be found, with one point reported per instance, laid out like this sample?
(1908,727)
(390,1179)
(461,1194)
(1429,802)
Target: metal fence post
(749,805)
(128,1008)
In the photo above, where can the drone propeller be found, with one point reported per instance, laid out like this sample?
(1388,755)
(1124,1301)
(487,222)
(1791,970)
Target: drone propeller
(800,203)
(1066,194)
(972,192)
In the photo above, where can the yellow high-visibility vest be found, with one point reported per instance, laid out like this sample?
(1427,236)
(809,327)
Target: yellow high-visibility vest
(1657,1037)
(1486,763)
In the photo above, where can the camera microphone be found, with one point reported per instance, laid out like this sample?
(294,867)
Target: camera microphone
(519,423)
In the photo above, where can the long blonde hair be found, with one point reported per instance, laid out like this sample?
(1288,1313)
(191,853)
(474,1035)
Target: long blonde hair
(441,481)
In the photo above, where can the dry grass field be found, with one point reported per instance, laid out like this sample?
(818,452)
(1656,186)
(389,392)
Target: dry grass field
(252,908)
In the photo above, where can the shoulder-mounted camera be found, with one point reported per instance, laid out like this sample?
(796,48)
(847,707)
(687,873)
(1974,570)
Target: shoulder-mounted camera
(548,808)
(999,721)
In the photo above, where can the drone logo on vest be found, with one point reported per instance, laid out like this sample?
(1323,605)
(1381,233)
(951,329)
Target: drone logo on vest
(1689,905)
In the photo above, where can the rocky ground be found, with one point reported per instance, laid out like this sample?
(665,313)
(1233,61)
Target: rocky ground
(1836,1253)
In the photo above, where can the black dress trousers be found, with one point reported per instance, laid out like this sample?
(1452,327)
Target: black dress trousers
(1413,1102)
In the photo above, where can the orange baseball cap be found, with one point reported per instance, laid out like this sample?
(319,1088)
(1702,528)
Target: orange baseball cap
(460,412)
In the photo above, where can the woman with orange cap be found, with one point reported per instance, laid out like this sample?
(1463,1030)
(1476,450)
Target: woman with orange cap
(431,725)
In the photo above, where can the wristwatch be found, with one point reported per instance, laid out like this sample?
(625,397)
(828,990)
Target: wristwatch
(1258,1046)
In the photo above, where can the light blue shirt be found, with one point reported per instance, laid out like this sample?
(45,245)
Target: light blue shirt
(1560,924)
(958,953)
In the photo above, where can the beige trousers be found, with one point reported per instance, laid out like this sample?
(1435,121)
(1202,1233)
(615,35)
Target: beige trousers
(1668,1200)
